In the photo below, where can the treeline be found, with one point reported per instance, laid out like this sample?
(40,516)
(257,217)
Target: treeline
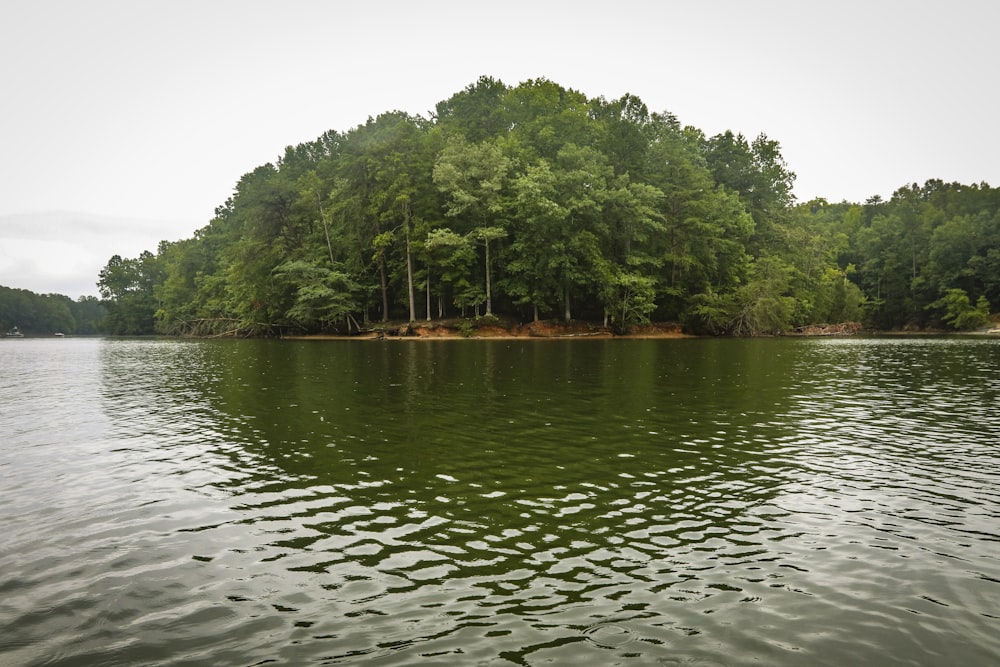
(927,258)
(536,202)
(30,313)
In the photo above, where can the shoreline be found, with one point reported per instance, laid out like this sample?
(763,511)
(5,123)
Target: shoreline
(531,331)
(584,331)
(607,336)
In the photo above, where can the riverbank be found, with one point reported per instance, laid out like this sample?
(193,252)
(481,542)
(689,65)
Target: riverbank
(498,329)
(555,329)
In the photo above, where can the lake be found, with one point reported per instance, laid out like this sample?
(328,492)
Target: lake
(709,502)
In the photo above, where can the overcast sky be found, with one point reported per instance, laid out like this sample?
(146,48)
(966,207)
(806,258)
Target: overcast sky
(125,123)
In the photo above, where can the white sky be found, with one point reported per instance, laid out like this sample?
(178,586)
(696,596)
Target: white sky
(134,119)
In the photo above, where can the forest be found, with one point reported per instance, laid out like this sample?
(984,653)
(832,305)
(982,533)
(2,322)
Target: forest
(30,313)
(534,202)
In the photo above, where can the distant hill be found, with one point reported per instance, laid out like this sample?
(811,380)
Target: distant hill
(36,314)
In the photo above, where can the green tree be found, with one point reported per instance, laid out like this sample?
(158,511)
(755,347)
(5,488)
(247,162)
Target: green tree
(543,117)
(476,113)
(323,295)
(561,229)
(88,313)
(958,311)
(126,287)
(451,255)
(535,197)
(758,173)
(385,191)
(761,306)
(629,297)
(474,179)
(26,312)
(624,134)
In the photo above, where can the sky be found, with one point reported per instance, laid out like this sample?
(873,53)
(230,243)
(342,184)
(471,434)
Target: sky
(125,123)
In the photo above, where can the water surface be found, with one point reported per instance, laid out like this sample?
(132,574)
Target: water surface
(677,502)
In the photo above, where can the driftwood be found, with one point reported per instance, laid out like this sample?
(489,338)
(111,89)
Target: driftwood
(842,329)
(221,327)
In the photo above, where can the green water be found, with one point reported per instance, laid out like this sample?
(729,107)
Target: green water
(462,502)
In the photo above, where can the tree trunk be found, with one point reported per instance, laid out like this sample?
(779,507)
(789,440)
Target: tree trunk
(326,229)
(428,292)
(385,289)
(489,295)
(409,264)
(566,312)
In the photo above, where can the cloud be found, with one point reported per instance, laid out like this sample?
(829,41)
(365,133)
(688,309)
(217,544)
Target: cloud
(63,252)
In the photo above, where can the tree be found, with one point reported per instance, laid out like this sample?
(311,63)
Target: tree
(536,197)
(178,294)
(543,117)
(381,244)
(451,255)
(385,187)
(487,234)
(625,133)
(26,312)
(757,172)
(476,113)
(474,180)
(959,312)
(760,306)
(323,295)
(629,297)
(561,228)
(126,287)
(88,313)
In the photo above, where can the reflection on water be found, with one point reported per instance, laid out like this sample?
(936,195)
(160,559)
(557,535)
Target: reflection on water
(694,502)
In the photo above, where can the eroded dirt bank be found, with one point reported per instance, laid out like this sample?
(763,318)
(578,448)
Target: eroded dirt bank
(464,329)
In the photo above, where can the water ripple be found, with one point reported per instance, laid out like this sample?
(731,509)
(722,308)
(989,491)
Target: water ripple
(668,502)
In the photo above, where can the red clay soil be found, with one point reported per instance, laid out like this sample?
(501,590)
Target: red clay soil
(542,329)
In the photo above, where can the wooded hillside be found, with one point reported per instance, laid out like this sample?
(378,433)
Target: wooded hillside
(534,201)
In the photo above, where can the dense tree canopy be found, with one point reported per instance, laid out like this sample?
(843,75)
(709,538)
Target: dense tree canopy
(46,314)
(534,201)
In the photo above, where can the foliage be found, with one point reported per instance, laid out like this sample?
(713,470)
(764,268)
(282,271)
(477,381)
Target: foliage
(533,200)
(45,314)
(127,286)
(323,296)
(630,298)
(922,243)
(959,311)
